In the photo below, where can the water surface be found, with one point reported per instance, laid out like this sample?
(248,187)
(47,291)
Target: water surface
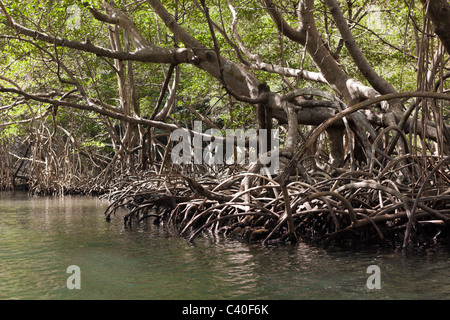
(41,237)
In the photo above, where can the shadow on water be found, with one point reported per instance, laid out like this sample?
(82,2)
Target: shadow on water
(41,237)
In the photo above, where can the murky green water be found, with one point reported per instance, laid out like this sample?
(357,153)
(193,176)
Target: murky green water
(41,237)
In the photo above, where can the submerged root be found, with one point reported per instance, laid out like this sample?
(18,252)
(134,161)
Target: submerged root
(349,209)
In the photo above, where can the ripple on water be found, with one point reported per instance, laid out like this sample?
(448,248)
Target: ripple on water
(41,237)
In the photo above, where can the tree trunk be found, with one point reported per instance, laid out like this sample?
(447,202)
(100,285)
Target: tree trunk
(439,11)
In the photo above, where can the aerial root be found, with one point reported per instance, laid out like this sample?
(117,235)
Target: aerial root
(356,207)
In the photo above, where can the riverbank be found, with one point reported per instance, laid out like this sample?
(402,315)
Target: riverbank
(392,207)
(352,209)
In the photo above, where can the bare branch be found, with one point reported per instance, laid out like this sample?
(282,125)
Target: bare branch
(381,85)
(439,11)
(258,63)
(298,35)
(154,54)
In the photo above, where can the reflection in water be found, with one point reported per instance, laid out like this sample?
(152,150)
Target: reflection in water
(41,237)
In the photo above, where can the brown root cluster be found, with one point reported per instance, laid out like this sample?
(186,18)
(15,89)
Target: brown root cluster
(404,202)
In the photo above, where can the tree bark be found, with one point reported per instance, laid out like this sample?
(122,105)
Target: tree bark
(308,36)
(378,83)
(439,11)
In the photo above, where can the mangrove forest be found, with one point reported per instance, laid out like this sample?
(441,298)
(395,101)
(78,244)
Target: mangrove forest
(269,121)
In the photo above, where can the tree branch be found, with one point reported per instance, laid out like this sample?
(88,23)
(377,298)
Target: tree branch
(439,11)
(154,54)
(379,84)
(258,63)
(284,176)
(298,35)
(240,83)
(307,35)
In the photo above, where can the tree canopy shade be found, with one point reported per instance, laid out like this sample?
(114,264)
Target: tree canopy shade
(93,89)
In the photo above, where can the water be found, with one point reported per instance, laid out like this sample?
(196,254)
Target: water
(41,237)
